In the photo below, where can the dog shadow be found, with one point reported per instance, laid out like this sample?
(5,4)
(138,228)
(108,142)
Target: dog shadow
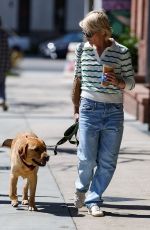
(57,209)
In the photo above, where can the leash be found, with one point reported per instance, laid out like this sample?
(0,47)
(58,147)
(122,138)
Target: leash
(69,134)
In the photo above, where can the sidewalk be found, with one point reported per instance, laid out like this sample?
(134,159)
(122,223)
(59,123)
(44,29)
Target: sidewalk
(39,101)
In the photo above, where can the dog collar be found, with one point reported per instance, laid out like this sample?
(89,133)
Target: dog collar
(31,167)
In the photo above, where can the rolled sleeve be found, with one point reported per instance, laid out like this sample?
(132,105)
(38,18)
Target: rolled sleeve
(127,71)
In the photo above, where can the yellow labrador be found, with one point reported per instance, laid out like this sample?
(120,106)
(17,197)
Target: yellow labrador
(28,152)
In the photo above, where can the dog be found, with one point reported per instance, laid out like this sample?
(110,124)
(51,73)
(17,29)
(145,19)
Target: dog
(28,152)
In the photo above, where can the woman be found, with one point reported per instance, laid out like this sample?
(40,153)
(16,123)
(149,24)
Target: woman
(98,101)
(4,65)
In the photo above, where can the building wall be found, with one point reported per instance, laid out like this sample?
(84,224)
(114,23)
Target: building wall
(42,15)
(139,25)
(9,13)
(75,12)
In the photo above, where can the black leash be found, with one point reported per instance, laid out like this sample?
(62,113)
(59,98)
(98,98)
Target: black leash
(69,134)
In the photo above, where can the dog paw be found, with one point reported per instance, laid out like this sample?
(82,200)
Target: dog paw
(25,202)
(14,203)
(32,208)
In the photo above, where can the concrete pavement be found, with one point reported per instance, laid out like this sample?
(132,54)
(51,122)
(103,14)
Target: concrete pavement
(40,101)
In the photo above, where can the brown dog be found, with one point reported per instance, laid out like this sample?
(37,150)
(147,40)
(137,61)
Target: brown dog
(27,153)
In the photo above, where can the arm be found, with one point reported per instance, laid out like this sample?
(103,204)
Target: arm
(76,89)
(76,92)
(126,81)
(127,71)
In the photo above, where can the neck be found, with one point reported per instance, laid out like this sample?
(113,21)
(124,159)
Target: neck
(101,47)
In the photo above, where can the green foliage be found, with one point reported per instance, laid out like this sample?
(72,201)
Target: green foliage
(131,42)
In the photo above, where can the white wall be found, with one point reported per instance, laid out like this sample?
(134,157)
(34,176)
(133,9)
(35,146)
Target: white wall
(8,12)
(75,12)
(42,15)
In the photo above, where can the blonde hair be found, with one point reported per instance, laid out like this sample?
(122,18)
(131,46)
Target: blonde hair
(95,21)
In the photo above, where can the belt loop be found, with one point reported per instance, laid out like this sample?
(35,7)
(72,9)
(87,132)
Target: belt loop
(95,105)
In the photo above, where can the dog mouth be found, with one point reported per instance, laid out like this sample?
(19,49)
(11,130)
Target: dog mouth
(41,164)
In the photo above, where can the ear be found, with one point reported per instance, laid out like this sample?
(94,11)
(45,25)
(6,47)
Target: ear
(7,143)
(23,151)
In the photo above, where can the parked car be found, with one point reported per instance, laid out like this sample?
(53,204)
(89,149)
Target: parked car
(17,42)
(70,58)
(58,48)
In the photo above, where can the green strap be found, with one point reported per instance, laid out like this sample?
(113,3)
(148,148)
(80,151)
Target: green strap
(68,136)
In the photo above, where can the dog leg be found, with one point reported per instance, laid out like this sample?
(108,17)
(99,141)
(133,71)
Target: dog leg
(32,187)
(13,190)
(25,192)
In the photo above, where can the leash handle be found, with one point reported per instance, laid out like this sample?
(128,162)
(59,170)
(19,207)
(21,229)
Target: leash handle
(68,135)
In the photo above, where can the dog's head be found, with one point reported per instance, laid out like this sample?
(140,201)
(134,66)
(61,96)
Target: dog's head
(30,148)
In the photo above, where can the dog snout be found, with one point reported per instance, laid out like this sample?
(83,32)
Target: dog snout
(46,158)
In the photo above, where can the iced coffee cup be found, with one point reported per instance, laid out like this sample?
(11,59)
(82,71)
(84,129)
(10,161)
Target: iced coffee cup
(106,69)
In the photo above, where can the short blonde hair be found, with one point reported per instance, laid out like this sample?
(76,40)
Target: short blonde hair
(95,21)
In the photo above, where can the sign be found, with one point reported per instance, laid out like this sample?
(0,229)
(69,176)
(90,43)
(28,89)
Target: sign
(117,4)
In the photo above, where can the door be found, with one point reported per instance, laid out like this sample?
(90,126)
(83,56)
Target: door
(24,16)
(60,12)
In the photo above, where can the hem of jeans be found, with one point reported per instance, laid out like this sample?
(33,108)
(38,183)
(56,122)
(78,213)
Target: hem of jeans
(82,191)
(90,204)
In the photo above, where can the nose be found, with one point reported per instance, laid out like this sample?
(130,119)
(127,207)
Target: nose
(46,158)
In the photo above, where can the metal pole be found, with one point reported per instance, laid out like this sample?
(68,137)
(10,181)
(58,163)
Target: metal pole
(97,4)
(86,7)
(148,59)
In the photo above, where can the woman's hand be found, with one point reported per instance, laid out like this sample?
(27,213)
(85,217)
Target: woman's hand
(76,117)
(115,81)
(76,113)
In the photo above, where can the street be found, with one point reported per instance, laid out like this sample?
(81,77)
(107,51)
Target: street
(39,100)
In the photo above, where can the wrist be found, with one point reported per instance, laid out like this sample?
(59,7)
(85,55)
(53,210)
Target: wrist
(120,84)
(76,109)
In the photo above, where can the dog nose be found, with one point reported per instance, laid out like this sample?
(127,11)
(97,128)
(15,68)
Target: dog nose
(46,158)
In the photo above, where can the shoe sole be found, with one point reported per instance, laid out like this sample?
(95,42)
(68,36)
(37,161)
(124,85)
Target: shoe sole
(96,215)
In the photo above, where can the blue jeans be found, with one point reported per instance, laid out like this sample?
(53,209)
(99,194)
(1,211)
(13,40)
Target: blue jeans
(100,135)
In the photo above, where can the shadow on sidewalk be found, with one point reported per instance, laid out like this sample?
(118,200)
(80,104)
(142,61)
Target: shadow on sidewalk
(128,215)
(63,150)
(121,208)
(57,209)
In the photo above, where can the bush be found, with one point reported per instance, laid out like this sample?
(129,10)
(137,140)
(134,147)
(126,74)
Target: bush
(131,42)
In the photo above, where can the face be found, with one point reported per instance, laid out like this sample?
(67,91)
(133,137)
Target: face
(96,38)
(34,151)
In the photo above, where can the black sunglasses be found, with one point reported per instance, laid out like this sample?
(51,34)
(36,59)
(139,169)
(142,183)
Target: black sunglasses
(88,35)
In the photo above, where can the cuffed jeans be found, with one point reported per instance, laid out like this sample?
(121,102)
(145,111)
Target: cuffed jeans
(100,135)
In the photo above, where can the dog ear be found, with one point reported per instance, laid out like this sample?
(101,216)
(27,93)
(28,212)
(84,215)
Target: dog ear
(23,151)
(7,143)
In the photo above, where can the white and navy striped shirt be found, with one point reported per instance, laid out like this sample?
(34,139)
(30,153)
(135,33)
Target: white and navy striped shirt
(89,66)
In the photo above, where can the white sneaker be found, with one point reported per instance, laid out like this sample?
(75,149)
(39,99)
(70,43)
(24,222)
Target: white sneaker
(79,199)
(95,211)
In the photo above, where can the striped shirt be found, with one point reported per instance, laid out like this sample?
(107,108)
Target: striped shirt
(89,66)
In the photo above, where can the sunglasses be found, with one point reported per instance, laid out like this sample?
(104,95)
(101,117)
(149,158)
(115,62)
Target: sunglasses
(88,35)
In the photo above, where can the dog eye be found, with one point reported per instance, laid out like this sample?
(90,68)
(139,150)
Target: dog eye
(37,149)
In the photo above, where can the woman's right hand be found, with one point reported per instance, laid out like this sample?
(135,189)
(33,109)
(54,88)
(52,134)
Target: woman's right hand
(76,117)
